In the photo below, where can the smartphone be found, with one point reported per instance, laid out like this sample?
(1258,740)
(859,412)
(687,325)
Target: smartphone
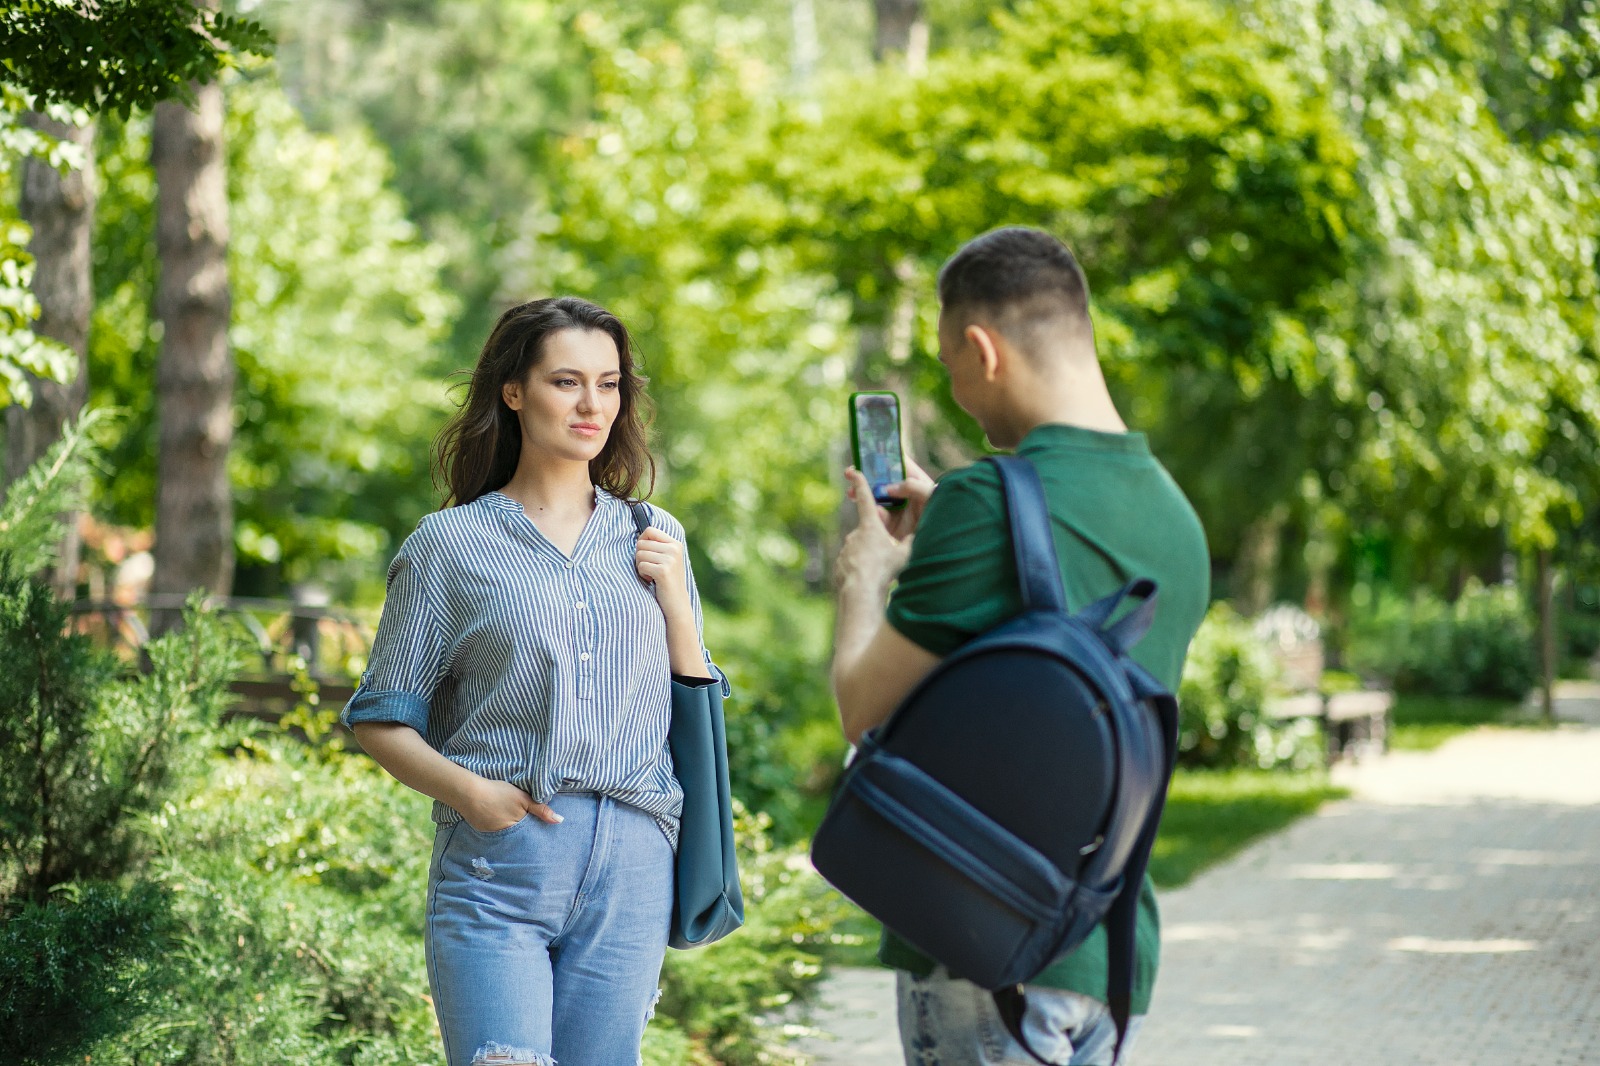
(875,442)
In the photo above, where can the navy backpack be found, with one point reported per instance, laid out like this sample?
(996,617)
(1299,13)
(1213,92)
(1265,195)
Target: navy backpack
(1009,804)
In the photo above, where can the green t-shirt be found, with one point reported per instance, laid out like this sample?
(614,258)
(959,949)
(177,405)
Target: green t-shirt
(1117,515)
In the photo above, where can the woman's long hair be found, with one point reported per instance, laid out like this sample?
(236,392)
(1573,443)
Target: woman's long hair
(478,449)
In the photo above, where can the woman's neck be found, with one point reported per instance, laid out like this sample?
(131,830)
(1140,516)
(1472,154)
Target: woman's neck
(551,486)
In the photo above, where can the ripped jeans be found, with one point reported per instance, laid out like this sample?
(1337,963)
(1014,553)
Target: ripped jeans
(545,941)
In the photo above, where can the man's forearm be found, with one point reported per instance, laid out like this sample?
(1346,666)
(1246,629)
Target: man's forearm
(859,616)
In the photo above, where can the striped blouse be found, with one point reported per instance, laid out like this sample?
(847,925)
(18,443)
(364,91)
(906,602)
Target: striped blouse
(525,665)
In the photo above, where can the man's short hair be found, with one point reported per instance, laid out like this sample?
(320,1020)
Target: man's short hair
(1021,280)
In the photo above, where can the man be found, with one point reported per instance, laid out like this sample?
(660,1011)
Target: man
(1016,339)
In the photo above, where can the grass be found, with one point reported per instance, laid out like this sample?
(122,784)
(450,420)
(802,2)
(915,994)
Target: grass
(1422,723)
(1213,814)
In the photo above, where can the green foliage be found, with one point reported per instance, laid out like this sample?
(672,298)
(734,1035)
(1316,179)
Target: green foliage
(30,513)
(784,744)
(469,127)
(1480,645)
(23,352)
(77,967)
(1470,327)
(1580,635)
(1227,680)
(728,996)
(117,55)
(84,751)
(297,887)
(278,918)
(337,311)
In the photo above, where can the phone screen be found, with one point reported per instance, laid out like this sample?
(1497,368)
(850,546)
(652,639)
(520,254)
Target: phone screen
(878,453)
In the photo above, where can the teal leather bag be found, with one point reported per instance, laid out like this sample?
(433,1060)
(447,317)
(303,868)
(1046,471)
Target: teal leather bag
(710,902)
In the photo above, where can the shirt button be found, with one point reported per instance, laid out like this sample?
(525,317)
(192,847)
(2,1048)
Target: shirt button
(579,605)
(584,657)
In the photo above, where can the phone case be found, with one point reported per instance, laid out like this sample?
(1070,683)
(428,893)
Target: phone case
(855,438)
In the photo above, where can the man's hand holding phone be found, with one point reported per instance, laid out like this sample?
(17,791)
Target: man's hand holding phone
(877,549)
(901,522)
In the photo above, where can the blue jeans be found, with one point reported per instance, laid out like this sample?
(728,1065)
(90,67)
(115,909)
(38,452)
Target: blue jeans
(545,941)
(945,1021)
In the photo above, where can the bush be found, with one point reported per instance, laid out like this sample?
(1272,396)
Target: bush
(78,967)
(1481,645)
(297,881)
(1227,680)
(84,749)
(785,747)
(297,930)
(727,997)
(1579,629)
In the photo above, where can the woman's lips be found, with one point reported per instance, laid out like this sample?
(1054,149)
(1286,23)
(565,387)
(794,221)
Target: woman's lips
(588,429)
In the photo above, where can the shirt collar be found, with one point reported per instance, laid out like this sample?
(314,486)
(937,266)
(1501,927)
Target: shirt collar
(1056,434)
(499,500)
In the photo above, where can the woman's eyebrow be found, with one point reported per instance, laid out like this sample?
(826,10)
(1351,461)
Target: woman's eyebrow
(581,373)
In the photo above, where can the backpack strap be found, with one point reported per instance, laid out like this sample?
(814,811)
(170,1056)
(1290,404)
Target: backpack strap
(1120,636)
(1012,1006)
(1120,922)
(1032,543)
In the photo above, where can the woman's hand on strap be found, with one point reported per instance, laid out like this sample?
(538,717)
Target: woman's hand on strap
(659,560)
(494,805)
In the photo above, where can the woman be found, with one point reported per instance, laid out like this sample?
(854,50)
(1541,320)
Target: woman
(520,677)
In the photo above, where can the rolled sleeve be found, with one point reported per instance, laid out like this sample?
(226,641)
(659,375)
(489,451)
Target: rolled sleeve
(956,584)
(408,654)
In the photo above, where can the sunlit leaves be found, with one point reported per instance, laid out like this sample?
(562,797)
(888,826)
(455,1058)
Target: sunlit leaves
(117,55)
(1472,316)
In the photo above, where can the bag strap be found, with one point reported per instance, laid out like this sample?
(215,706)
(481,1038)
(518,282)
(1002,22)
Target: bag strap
(1120,636)
(1032,543)
(1012,1006)
(1120,922)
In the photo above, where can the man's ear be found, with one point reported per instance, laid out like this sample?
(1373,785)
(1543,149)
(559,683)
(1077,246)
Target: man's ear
(987,348)
(511,393)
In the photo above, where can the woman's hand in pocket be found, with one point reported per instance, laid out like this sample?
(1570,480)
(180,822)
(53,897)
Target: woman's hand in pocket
(496,805)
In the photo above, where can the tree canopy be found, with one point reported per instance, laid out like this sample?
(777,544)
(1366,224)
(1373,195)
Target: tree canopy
(117,55)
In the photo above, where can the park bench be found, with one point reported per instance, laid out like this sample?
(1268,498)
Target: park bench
(1353,723)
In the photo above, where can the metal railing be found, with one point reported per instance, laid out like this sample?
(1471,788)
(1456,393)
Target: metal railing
(296,645)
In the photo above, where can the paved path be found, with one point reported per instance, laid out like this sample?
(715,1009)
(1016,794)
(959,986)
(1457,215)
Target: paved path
(1449,913)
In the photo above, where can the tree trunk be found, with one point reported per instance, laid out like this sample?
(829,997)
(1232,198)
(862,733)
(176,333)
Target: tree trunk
(900,35)
(901,29)
(60,209)
(1547,636)
(803,14)
(1255,568)
(194,379)
(883,330)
